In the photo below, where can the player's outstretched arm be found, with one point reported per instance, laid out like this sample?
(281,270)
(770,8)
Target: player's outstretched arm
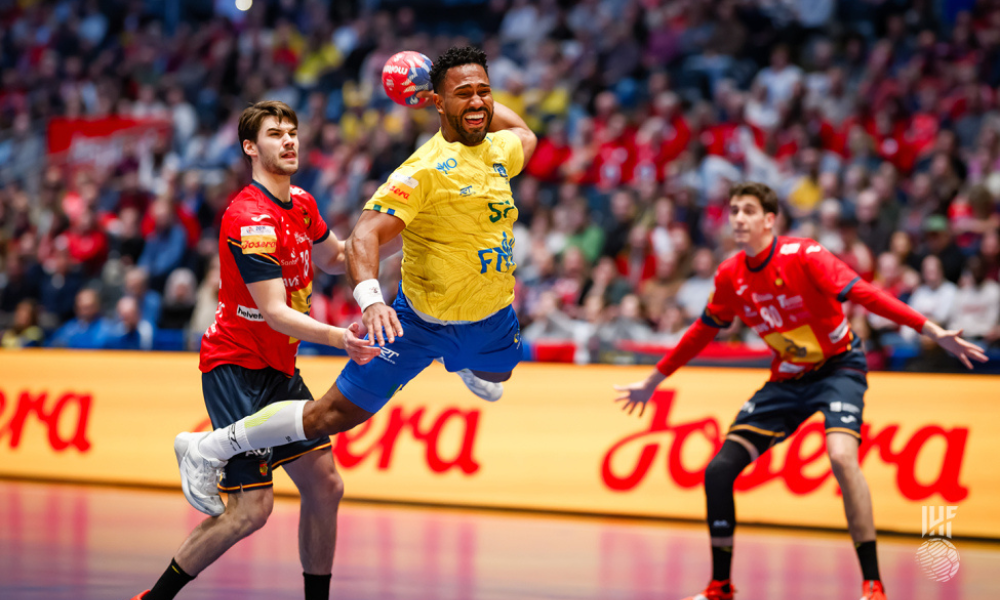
(884,305)
(694,341)
(373,230)
(505,118)
(269,296)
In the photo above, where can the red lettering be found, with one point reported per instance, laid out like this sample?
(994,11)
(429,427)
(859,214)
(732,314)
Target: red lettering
(348,454)
(792,471)
(947,483)
(28,405)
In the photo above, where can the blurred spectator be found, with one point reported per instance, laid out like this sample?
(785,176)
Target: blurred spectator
(59,286)
(17,286)
(86,330)
(87,243)
(935,297)
(671,327)
(136,286)
(627,323)
(129,330)
(976,310)
(692,296)
(941,245)
(165,246)
(179,298)
(24,331)
(548,321)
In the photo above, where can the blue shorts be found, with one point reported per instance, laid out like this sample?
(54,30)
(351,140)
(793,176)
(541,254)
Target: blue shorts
(492,345)
(837,389)
(233,392)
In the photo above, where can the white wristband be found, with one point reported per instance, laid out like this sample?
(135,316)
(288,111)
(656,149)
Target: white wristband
(367,293)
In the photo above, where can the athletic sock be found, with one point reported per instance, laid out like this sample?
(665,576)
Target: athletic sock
(274,425)
(317,586)
(722,562)
(868,558)
(169,584)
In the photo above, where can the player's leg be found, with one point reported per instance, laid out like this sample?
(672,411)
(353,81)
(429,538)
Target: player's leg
(321,488)
(359,392)
(758,426)
(842,402)
(245,513)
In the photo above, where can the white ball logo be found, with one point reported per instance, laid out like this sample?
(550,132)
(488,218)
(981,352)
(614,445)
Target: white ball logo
(938,558)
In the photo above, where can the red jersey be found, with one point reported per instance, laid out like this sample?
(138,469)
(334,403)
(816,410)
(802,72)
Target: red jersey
(261,238)
(792,300)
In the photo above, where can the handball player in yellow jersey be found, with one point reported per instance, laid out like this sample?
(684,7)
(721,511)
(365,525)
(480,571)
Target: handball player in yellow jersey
(452,203)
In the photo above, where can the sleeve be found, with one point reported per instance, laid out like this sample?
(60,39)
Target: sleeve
(402,195)
(512,150)
(827,272)
(318,229)
(253,241)
(694,341)
(884,305)
(719,312)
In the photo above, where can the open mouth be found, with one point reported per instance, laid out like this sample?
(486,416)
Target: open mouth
(288,155)
(475,119)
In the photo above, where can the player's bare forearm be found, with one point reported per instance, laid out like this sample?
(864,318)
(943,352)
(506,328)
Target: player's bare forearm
(330,256)
(269,296)
(362,248)
(505,118)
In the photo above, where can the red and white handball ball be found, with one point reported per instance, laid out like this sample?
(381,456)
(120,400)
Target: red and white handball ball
(405,74)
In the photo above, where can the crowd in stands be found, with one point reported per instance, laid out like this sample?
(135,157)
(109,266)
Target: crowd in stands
(878,123)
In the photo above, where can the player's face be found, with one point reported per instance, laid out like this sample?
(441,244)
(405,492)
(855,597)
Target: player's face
(751,225)
(466,104)
(278,146)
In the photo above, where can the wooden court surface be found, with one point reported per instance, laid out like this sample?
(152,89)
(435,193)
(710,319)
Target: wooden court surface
(70,542)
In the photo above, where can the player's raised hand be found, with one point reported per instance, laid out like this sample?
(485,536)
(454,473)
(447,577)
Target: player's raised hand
(638,394)
(382,323)
(359,350)
(952,341)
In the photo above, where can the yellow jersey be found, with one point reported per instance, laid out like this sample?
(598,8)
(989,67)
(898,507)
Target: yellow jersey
(458,259)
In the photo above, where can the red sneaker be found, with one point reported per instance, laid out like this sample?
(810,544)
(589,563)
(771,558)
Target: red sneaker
(141,596)
(716,590)
(872,590)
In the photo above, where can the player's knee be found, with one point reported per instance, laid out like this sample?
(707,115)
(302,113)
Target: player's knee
(329,487)
(248,517)
(332,414)
(843,461)
(719,474)
(725,467)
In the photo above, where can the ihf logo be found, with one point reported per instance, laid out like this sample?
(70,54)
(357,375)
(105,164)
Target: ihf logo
(938,557)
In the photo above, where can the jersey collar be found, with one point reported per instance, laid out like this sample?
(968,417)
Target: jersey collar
(760,267)
(270,196)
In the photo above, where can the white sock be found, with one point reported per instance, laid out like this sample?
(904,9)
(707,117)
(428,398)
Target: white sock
(274,425)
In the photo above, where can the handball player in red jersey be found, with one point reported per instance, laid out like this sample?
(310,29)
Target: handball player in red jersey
(270,236)
(790,290)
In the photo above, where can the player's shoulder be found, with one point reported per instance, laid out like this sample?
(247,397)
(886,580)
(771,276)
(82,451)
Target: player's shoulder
(250,204)
(797,247)
(729,266)
(302,197)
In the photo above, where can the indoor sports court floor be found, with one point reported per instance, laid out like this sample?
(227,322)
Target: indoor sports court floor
(67,542)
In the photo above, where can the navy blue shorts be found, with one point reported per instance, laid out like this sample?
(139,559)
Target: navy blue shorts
(492,345)
(233,392)
(837,389)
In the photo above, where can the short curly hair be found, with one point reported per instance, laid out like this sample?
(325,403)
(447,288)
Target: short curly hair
(456,56)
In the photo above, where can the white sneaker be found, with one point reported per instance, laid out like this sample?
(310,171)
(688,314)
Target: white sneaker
(487,390)
(199,475)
